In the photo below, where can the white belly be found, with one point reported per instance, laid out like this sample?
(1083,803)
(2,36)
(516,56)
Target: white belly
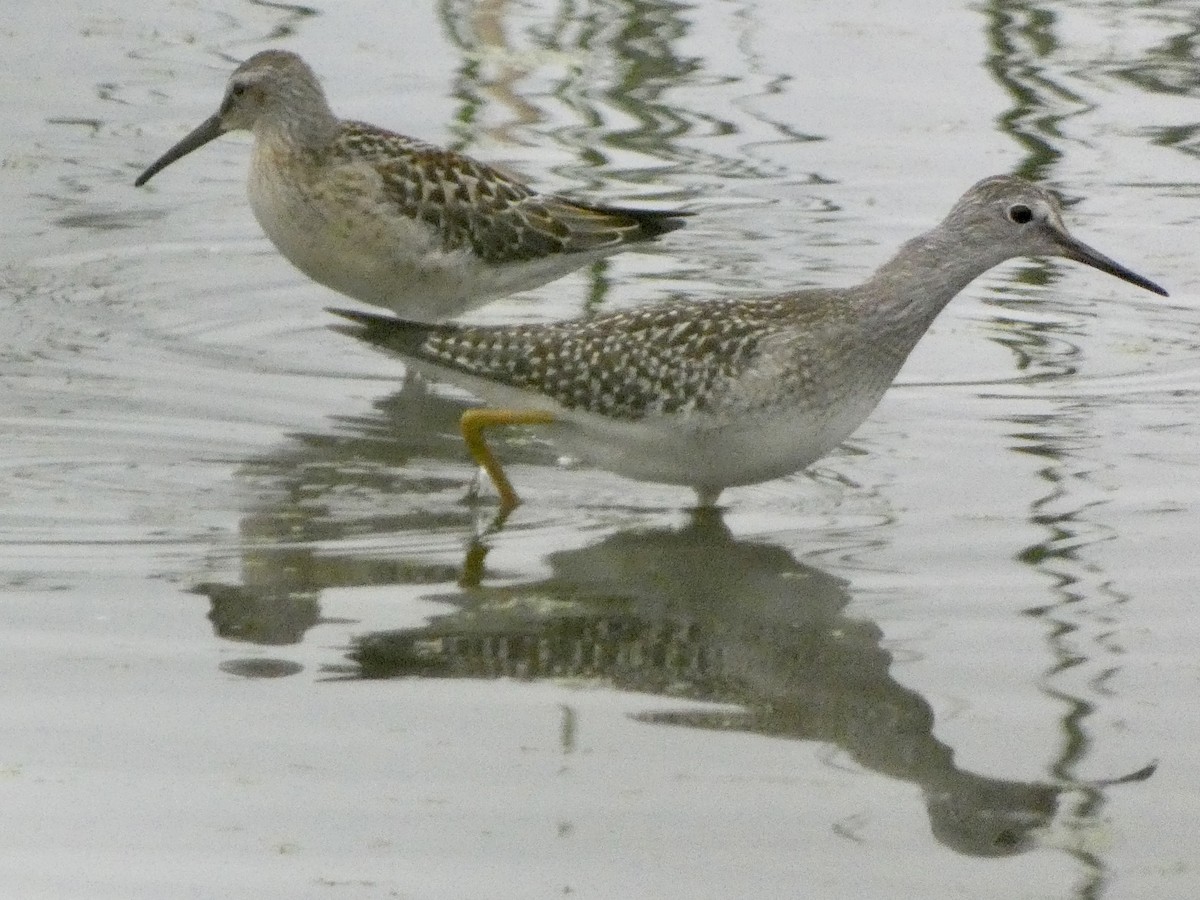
(335,232)
(696,450)
(703,454)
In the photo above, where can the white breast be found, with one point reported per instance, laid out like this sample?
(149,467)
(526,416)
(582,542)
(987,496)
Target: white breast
(334,230)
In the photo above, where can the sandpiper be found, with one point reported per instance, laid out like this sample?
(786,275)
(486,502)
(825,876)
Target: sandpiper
(393,221)
(712,395)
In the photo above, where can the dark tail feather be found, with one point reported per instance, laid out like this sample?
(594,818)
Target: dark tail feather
(654,222)
(390,333)
(651,222)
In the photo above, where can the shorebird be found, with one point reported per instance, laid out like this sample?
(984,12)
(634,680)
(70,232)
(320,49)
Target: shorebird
(738,391)
(425,232)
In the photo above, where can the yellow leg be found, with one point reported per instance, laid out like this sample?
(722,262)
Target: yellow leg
(472,424)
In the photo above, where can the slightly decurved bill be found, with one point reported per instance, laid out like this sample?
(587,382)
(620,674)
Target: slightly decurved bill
(208,130)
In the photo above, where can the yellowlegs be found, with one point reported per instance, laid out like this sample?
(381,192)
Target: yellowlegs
(393,221)
(712,395)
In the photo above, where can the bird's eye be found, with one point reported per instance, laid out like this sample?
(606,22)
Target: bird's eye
(238,90)
(1020,213)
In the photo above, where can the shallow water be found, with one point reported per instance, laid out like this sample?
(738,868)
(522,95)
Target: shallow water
(253,646)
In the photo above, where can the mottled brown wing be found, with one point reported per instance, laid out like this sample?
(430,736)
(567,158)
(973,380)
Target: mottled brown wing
(657,360)
(501,220)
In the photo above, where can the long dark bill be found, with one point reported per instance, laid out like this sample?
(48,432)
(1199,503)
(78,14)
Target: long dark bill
(1081,252)
(208,130)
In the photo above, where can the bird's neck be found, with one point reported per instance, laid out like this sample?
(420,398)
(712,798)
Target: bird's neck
(907,292)
(313,129)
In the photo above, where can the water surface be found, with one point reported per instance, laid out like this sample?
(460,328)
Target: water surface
(256,644)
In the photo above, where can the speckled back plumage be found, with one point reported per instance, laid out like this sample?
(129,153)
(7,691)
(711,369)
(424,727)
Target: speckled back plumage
(733,392)
(660,360)
(386,219)
(475,206)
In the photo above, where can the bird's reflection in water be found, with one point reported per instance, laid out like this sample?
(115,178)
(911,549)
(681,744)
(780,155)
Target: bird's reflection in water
(699,614)
(692,612)
(305,494)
